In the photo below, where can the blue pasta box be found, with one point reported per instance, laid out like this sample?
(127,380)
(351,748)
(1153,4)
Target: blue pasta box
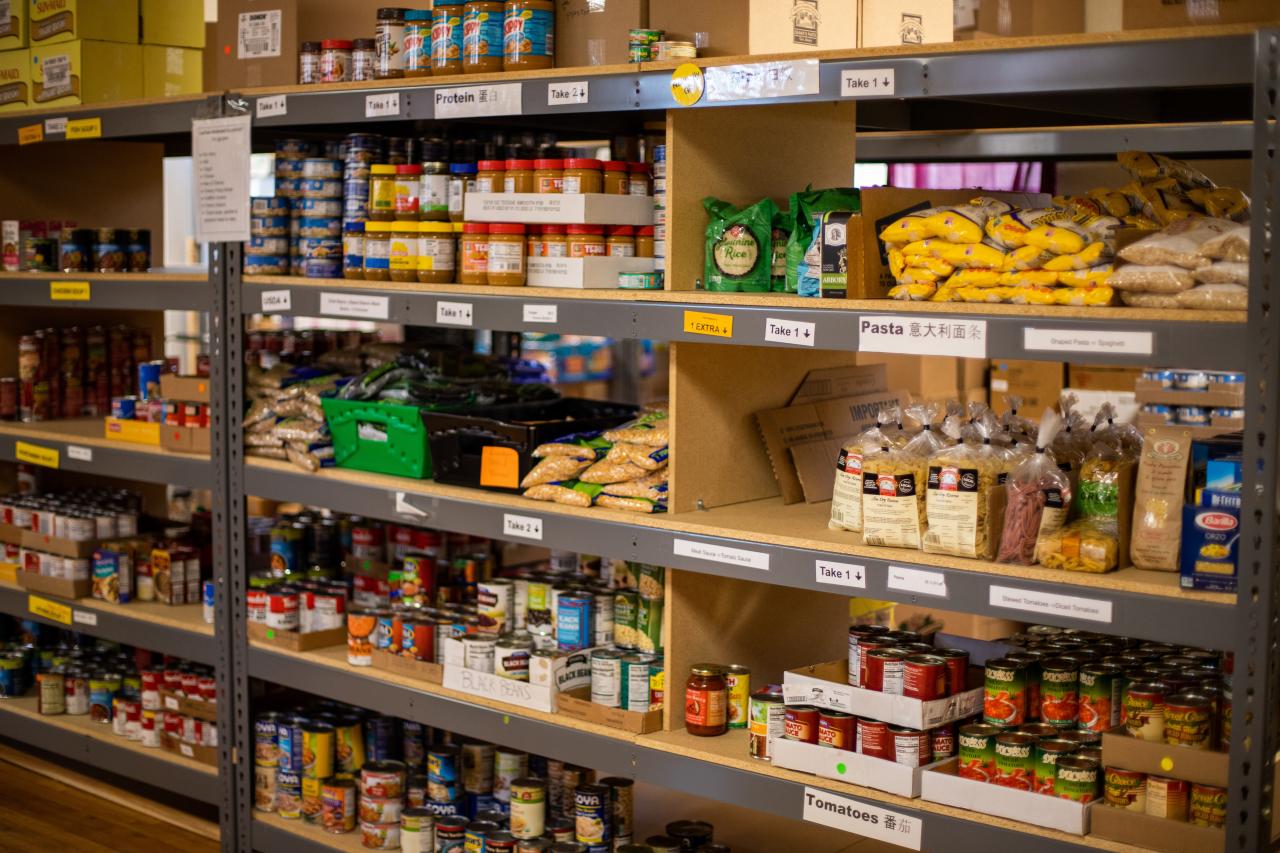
(1210,546)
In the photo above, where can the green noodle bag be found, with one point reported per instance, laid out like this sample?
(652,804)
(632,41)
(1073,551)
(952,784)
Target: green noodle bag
(739,246)
(806,212)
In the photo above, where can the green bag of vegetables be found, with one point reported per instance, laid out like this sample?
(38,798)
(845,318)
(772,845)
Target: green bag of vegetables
(738,246)
(781,230)
(807,208)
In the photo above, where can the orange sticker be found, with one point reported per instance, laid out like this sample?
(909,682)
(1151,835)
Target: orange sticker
(500,466)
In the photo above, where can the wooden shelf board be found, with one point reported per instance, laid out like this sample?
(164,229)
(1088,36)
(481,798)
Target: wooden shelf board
(315,834)
(87,431)
(182,617)
(158,275)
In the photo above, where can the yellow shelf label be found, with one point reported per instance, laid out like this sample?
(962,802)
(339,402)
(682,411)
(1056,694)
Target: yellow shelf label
(69,291)
(36,455)
(84,128)
(701,323)
(31,133)
(51,610)
(687,84)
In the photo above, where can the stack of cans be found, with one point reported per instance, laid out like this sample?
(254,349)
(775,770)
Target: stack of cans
(290,154)
(319,218)
(267,252)
(359,151)
(660,211)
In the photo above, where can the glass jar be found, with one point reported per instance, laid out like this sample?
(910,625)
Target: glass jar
(533,241)
(434,202)
(402,249)
(529,34)
(408,191)
(388,44)
(335,61)
(548,175)
(473,261)
(519,177)
(582,175)
(482,36)
(353,250)
(615,178)
(382,193)
(446,36)
(506,254)
(705,700)
(462,180)
(490,175)
(417,43)
(621,242)
(309,63)
(437,253)
(363,59)
(644,241)
(638,179)
(585,241)
(377,251)
(555,242)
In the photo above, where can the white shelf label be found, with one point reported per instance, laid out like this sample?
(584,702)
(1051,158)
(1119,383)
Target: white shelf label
(1087,340)
(80,454)
(85,617)
(382,104)
(864,819)
(562,94)
(1069,606)
(917,580)
(721,554)
(274,105)
(867,83)
(220,161)
(276,300)
(171,702)
(840,574)
(494,99)
(354,305)
(540,313)
(55,125)
(790,332)
(761,80)
(405,508)
(187,750)
(523,526)
(922,335)
(453,313)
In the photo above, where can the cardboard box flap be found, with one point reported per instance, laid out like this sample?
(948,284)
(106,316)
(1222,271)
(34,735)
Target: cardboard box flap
(830,383)
(814,463)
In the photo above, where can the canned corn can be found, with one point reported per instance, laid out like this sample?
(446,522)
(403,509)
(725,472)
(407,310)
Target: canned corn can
(317,750)
(635,683)
(649,623)
(528,807)
(626,606)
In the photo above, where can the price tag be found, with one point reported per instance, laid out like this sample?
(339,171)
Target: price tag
(275,105)
(69,291)
(522,526)
(917,580)
(721,554)
(540,313)
(80,454)
(29,134)
(85,617)
(561,94)
(790,332)
(1087,340)
(702,323)
(762,80)
(51,610)
(54,126)
(922,335)
(866,819)
(1069,606)
(84,128)
(276,301)
(840,574)
(453,313)
(172,703)
(354,305)
(35,454)
(382,104)
(868,83)
(494,99)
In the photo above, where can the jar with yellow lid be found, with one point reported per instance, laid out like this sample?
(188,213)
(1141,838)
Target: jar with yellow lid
(377,251)
(402,250)
(473,261)
(555,242)
(519,177)
(548,175)
(582,175)
(529,35)
(446,36)
(615,178)
(506,260)
(490,175)
(638,179)
(382,193)
(585,241)
(408,191)
(644,241)
(482,36)
(437,255)
(621,241)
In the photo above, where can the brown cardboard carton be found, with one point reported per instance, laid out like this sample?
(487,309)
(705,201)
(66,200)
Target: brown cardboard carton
(787,26)
(53,21)
(716,27)
(1145,14)
(174,23)
(576,704)
(595,32)
(171,71)
(1038,383)
(831,382)
(926,377)
(296,641)
(61,587)
(1152,833)
(1208,767)
(889,23)
(1101,377)
(191,389)
(15,80)
(1030,17)
(256,45)
(956,624)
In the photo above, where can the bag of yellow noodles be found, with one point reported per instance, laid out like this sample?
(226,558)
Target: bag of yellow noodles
(846,496)
(962,480)
(893,481)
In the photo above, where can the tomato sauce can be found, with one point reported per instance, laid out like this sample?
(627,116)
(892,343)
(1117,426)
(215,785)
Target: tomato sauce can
(866,645)
(738,681)
(1125,789)
(883,671)
(1188,720)
(1004,700)
(766,721)
(861,636)
(1168,798)
(800,722)
(977,747)
(957,661)
(924,677)
(911,747)
(1144,710)
(1048,751)
(383,779)
(1100,696)
(836,729)
(1059,692)
(1077,778)
(338,805)
(1208,805)
(1029,660)
(1015,761)
(873,739)
(943,741)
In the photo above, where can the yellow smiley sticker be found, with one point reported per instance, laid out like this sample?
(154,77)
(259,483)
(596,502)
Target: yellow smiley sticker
(687,84)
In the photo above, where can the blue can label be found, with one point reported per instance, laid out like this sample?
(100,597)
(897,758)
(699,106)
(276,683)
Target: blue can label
(322,268)
(382,632)
(574,623)
(592,812)
(528,33)
(481,34)
(319,206)
(269,206)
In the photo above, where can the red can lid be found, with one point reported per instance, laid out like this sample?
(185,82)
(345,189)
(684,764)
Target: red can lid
(586,229)
(533,230)
(506,228)
(582,163)
(409,170)
(615,165)
(638,167)
(492,165)
(622,230)
(548,164)
(644,231)
(519,164)
(552,229)
(475,228)
(335,44)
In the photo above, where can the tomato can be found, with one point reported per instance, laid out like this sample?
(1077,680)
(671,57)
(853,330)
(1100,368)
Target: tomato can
(884,670)
(380,836)
(1029,660)
(957,661)
(738,679)
(1100,696)
(1168,798)
(1004,700)
(1039,730)
(1048,751)
(1015,760)
(924,677)
(800,722)
(383,779)
(1077,778)
(766,720)
(1059,691)
(943,741)
(873,738)
(861,637)
(911,747)
(1208,805)
(338,804)
(1125,789)
(1188,720)
(380,809)
(1144,711)
(836,729)
(977,747)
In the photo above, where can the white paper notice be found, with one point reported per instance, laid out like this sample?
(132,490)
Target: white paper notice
(1069,606)
(562,94)
(276,300)
(80,454)
(917,580)
(84,617)
(868,83)
(864,819)
(761,80)
(721,554)
(353,305)
(54,126)
(453,313)
(790,332)
(220,151)
(382,104)
(273,105)
(922,335)
(1087,340)
(540,313)
(523,526)
(495,99)
(840,574)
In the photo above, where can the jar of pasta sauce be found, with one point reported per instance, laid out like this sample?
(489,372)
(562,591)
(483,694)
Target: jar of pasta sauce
(706,699)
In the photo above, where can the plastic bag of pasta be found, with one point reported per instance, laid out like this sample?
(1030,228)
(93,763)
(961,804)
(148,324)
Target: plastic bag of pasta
(1156,278)
(962,481)
(631,504)
(1037,497)
(1222,272)
(893,484)
(1153,167)
(569,493)
(654,487)
(1230,245)
(1179,243)
(1210,297)
(1072,441)
(964,223)
(1085,545)
(912,292)
(650,429)
(553,469)
(846,496)
(916,225)
(1009,230)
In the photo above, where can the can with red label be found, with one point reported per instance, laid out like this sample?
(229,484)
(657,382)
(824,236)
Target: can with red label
(801,723)
(367,539)
(957,661)
(860,635)
(282,609)
(924,677)
(836,729)
(943,740)
(873,739)
(910,747)
(867,644)
(884,670)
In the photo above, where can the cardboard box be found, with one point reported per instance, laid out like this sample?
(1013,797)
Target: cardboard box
(959,624)
(1208,767)
(194,751)
(826,686)
(297,641)
(65,20)
(171,71)
(173,23)
(1152,833)
(890,23)
(1101,377)
(716,27)
(596,272)
(1151,391)
(548,676)
(925,377)
(13,27)
(1038,383)
(185,439)
(79,550)
(134,432)
(15,80)
(576,704)
(1030,17)
(257,44)
(559,208)
(61,587)
(802,25)
(846,766)
(595,32)
(942,784)
(428,671)
(187,706)
(189,389)
(68,73)
(965,15)
(1145,14)
(831,383)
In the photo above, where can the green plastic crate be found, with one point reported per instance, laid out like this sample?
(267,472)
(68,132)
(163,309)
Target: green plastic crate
(386,438)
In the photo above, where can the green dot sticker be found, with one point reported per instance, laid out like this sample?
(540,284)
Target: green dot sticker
(1166,764)
(506,719)
(271,634)
(840,768)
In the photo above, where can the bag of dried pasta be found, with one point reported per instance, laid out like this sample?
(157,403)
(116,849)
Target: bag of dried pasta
(893,480)
(1037,497)
(846,496)
(961,480)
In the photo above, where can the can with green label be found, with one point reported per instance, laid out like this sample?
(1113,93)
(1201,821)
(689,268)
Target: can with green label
(1048,751)
(1076,778)
(626,607)
(649,623)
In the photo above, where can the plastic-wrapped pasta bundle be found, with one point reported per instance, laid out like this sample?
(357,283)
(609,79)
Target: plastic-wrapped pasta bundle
(650,429)
(962,479)
(569,492)
(1082,546)
(1179,244)
(893,481)
(1231,245)
(846,496)
(1038,498)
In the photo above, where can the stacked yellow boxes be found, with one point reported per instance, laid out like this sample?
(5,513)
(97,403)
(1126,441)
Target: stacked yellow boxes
(172,47)
(83,51)
(15,59)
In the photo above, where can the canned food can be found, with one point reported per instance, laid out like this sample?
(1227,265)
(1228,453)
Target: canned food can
(496,600)
(289,742)
(1077,778)
(635,683)
(288,794)
(924,676)
(383,779)
(417,831)
(451,832)
(348,745)
(800,722)
(910,747)
(1168,798)
(836,729)
(379,809)
(380,836)
(592,814)
(1048,751)
(977,746)
(649,623)
(264,788)
(626,612)
(943,741)
(360,628)
(575,628)
(338,805)
(1208,805)
(873,739)
(477,767)
(1188,720)
(1059,690)
(317,750)
(511,656)
(1015,760)
(738,681)
(1125,789)
(766,720)
(1100,697)
(1004,701)
(478,652)
(442,774)
(1144,710)
(508,766)
(266,743)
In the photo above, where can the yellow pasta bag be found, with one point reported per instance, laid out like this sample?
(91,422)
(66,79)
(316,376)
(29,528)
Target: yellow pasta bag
(1009,229)
(1027,258)
(918,275)
(1155,167)
(928,262)
(1087,277)
(946,292)
(1095,296)
(913,226)
(1112,202)
(1032,296)
(897,262)
(1028,278)
(961,224)
(969,256)
(1223,202)
(926,248)
(975,278)
(1062,237)
(1090,256)
(912,292)
(983,294)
